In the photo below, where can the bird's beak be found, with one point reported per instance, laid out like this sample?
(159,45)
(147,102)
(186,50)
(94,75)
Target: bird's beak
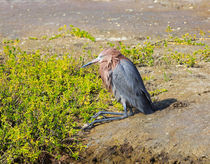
(92,62)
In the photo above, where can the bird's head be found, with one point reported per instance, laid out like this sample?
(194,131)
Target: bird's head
(96,60)
(104,55)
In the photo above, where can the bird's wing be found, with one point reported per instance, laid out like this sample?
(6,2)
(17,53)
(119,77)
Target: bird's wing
(128,83)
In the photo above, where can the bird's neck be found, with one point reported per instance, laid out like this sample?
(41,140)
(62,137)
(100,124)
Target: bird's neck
(106,68)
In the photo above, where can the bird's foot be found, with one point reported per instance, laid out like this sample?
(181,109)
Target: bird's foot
(86,126)
(105,118)
(90,125)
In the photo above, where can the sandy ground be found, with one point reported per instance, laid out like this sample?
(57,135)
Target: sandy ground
(133,18)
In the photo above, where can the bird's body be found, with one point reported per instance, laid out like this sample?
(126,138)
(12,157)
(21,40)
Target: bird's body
(121,77)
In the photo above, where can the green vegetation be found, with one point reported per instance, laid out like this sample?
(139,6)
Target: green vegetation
(187,59)
(140,55)
(186,39)
(33,38)
(66,32)
(73,31)
(144,54)
(204,54)
(45,97)
(166,77)
(157,92)
(181,58)
(56,36)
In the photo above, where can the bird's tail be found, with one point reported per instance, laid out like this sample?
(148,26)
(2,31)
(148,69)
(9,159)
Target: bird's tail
(149,108)
(145,104)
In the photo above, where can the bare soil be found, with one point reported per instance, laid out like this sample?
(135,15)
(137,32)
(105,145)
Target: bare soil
(178,132)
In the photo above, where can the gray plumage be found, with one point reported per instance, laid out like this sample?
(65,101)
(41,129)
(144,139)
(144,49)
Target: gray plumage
(127,85)
(121,77)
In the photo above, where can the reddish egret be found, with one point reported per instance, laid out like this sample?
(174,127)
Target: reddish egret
(121,77)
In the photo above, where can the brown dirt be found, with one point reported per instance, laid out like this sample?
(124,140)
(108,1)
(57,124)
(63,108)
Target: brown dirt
(128,17)
(178,132)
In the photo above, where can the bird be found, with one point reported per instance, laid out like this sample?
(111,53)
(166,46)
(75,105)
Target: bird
(121,77)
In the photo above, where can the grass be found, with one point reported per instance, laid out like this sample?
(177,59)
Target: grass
(45,97)
(166,77)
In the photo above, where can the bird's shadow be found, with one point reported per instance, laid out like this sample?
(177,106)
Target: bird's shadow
(160,105)
(163,104)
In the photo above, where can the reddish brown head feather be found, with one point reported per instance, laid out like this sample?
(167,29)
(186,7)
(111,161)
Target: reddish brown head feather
(111,58)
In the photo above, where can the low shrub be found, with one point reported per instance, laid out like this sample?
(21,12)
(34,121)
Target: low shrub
(43,100)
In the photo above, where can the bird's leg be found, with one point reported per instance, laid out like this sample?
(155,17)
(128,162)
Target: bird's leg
(124,115)
(131,112)
(105,112)
(101,113)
